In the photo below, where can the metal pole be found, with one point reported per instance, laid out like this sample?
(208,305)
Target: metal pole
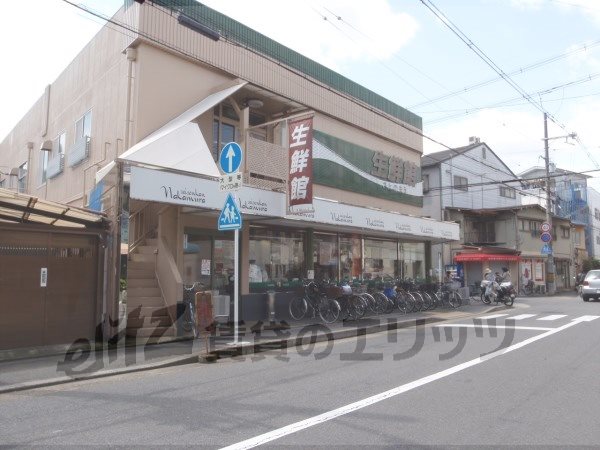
(236,312)
(550,261)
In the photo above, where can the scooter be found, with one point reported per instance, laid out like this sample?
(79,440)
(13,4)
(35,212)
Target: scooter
(503,292)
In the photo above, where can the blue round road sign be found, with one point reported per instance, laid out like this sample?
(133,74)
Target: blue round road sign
(546,237)
(231,157)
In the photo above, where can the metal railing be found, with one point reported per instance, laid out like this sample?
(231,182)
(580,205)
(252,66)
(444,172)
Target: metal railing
(55,165)
(80,151)
(142,223)
(480,236)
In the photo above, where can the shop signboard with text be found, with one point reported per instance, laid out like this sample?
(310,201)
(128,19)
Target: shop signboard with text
(168,187)
(300,174)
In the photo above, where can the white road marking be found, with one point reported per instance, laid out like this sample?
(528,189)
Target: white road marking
(553,317)
(501,327)
(493,316)
(325,417)
(523,316)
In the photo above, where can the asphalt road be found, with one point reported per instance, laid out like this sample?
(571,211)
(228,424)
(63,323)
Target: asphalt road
(421,386)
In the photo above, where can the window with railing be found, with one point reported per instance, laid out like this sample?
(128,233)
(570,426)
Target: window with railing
(81,147)
(22,178)
(56,160)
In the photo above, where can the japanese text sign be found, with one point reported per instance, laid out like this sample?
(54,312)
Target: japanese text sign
(300,162)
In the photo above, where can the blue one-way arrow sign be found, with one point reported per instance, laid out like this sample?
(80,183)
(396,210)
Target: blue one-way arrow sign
(231,157)
(230,217)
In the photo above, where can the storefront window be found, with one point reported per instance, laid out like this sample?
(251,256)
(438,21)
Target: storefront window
(413,260)
(325,256)
(351,257)
(380,258)
(275,255)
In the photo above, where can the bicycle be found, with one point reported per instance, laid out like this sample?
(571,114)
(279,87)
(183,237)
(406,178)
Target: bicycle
(315,299)
(450,295)
(188,320)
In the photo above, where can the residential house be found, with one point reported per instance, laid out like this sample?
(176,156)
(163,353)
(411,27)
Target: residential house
(471,177)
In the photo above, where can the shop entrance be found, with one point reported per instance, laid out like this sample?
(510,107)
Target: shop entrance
(209,259)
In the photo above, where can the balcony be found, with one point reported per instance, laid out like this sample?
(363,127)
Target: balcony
(266,165)
(480,237)
(55,166)
(80,151)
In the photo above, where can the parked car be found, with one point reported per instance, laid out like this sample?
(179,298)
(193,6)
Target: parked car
(591,285)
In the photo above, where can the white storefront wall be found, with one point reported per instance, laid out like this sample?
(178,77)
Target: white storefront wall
(179,189)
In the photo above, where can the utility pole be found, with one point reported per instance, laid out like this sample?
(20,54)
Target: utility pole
(550,271)
(551,284)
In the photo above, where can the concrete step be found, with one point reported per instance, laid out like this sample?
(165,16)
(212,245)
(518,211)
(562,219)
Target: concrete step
(149,322)
(146,249)
(141,282)
(152,302)
(150,331)
(153,242)
(140,265)
(140,273)
(143,292)
(143,257)
(143,311)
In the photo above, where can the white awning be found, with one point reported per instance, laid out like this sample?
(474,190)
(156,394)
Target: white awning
(104,171)
(179,144)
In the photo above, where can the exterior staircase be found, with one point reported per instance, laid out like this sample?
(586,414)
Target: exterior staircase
(148,319)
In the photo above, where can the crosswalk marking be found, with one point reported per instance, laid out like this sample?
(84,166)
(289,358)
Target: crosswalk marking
(553,317)
(493,316)
(523,316)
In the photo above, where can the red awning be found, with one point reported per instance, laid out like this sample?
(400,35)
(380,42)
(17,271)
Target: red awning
(464,257)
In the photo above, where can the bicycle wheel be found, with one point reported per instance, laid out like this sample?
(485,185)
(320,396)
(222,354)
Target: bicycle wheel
(427,301)
(402,304)
(418,301)
(298,308)
(454,299)
(329,310)
(357,306)
(371,302)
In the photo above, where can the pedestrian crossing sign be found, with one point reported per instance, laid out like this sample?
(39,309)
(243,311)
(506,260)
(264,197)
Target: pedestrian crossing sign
(230,217)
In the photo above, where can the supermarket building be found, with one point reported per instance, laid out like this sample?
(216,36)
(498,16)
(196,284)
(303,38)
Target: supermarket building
(134,125)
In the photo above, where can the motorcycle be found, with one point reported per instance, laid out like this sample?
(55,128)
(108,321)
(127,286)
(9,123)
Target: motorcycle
(503,292)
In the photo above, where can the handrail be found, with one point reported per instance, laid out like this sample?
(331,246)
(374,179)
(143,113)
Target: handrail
(168,277)
(141,225)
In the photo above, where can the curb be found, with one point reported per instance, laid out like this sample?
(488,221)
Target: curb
(244,350)
(267,345)
(102,374)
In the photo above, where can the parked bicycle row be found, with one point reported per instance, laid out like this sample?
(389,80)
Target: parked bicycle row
(331,302)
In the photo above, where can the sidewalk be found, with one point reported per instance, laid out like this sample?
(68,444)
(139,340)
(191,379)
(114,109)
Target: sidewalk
(36,372)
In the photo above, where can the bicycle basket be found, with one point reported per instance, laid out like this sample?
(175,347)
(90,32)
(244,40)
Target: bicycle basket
(334,291)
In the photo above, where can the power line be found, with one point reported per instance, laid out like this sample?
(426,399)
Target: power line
(255,52)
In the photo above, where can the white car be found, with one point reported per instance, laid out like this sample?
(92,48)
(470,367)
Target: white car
(591,285)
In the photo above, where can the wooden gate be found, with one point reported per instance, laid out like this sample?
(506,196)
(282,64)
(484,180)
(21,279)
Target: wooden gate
(48,288)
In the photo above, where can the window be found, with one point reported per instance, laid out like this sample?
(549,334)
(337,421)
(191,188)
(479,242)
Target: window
(597,213)
(22,177)
(2,183)
(83,127)
(224,127)
(507,192)
(44,166)
(565,232)
(461,183)
(577,238)
(59,144)
(483,155)
(598,240)
(325,256)
(278,254)
(380,258)
(425,183)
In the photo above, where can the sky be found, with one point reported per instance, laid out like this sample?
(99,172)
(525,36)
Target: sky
(548,50)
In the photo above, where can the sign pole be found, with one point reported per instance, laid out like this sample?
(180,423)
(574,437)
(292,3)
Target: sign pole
(236,311)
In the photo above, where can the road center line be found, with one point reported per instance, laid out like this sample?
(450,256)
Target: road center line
(501,327)
(325,417)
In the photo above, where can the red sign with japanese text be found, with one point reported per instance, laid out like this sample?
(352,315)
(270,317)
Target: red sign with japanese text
(300,163)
